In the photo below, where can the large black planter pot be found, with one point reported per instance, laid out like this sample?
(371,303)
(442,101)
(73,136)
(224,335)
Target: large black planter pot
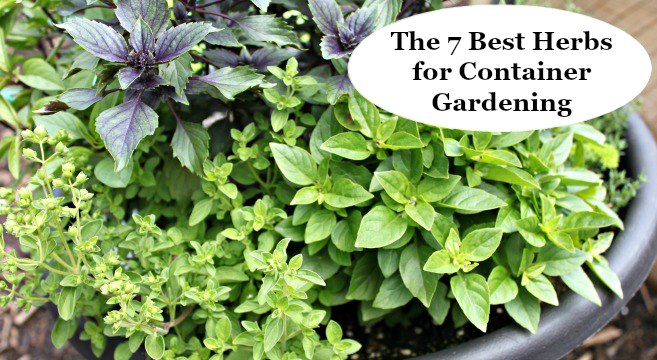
(564,327)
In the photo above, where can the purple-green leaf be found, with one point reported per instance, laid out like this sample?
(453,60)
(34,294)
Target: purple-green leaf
(180,39)
(98,39)
(361,23)
(232,81)
(142,38)
(270,56)
(223,37)
(80,99)
(332,47)
(128,75)
(327,15)
(123,127)
(267,28)
(338,86)
(154,12)
(223,57)
(190,145)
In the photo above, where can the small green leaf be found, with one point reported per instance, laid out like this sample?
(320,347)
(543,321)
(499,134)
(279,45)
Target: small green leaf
(436,189)
(525,310)
(155,346)
(467,200)
(422,213)
(319,226)
(62,331)
(190,145)
(40,75)
(104,172)
(420,283)
(502,287)
(201,210)
(296,164)
(395,184)
(480,244)
(392,294)
(333,332)
(441,263)
(607,276)
(349,145)
(579,282)
(365,279)
(402,140)
(345,193)
(380,227)
(472,295)
(542,288)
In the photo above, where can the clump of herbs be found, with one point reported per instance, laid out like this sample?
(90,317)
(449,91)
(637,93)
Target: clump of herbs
(206,189)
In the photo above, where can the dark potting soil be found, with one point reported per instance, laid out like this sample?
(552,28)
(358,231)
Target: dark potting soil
(416,334)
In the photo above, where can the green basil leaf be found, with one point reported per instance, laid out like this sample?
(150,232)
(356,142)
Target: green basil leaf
(420,283)
(467,200)
(380,227)
(365,279)
(435,189)
(422,213)
(579,282)
(502,287)
(525,310)
(395,184)
(480,244)
(319,226)
(472,295)
(349,145)
(296,164)
(542,288)
(392,294)
(345,193)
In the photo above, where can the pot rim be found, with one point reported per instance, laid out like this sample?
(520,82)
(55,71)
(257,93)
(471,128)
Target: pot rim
(564,327)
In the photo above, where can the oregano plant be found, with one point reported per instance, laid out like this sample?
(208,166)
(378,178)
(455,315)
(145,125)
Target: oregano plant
(200,180)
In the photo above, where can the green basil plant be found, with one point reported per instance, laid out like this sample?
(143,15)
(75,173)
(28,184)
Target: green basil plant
(201,179)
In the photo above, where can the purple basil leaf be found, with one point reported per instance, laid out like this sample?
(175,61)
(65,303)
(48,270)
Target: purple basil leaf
(69,7)
(232,81)
(267,28)
(362,23)
(80,99)
(337,86)
(327,15)
(52,107)
(387,10)
(180,39)
(270,56)
(177,73)
(223,37)
(221,58)
(123,127)
(332,47)
(128,75)
(154,12)
(141,38)
(98,39)
(148,81)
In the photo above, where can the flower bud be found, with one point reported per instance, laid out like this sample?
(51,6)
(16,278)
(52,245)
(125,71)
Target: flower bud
(27,135)
(29,153)
(61,148)
(68,168)
(40,132)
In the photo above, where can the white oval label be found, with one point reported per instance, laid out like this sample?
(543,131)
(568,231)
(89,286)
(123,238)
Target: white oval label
(500,68)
